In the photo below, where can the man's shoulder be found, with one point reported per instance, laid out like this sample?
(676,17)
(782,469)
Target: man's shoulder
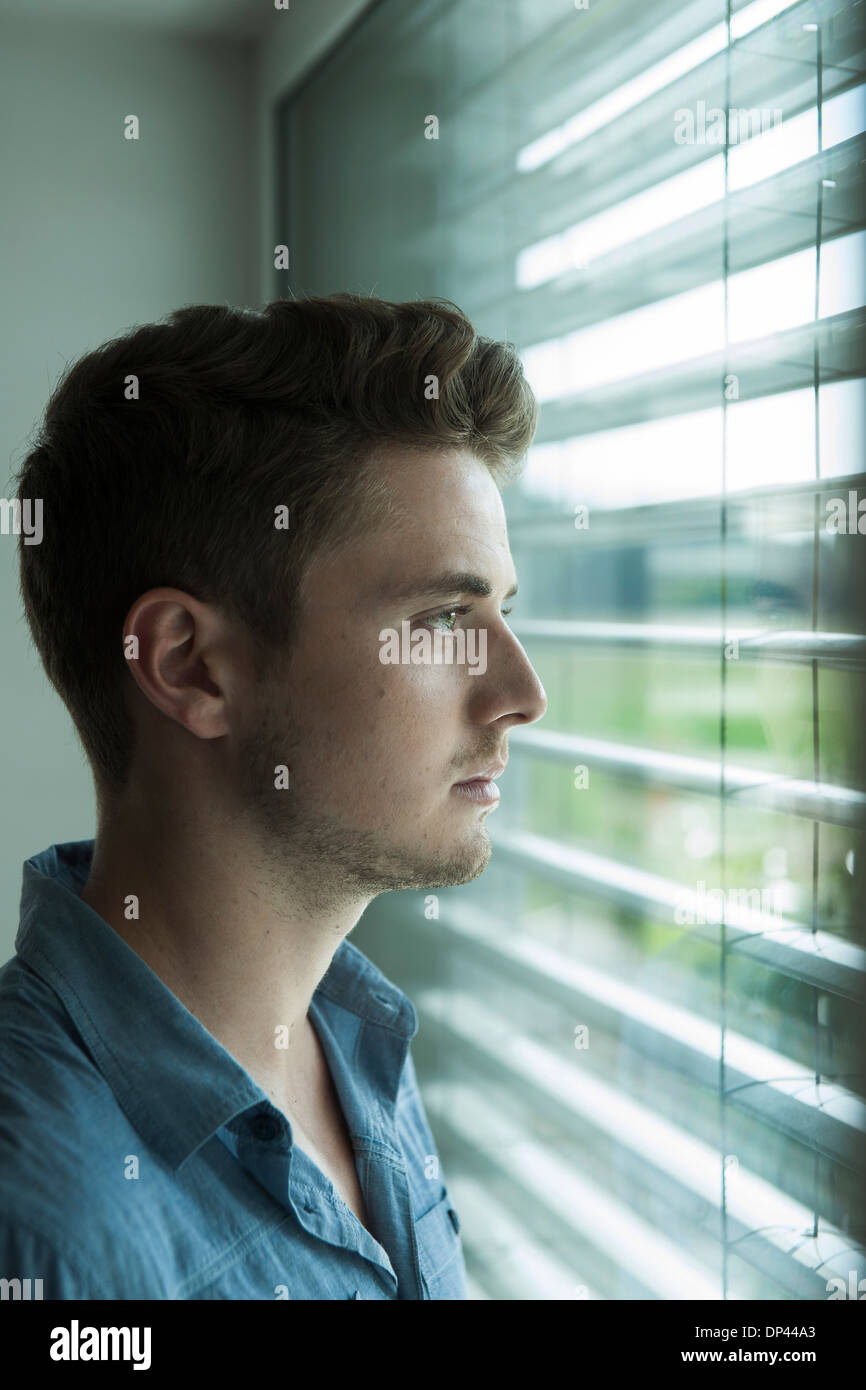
(68,1216)
(62,1131)
(43,1057)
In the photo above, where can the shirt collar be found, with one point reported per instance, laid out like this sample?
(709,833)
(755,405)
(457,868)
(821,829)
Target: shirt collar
(174,1080)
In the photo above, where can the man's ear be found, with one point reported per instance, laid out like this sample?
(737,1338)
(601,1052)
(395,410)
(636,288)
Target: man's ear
(179,653)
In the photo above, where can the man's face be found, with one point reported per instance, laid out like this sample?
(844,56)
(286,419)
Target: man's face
(375,749)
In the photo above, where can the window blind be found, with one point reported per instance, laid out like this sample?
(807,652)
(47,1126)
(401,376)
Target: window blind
(641,1030)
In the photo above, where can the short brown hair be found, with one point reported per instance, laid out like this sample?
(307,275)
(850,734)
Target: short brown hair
(238,412)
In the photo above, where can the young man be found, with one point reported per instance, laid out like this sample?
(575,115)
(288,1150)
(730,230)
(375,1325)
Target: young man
(206,1091)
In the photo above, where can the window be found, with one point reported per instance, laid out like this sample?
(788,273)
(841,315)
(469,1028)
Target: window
(641,1040)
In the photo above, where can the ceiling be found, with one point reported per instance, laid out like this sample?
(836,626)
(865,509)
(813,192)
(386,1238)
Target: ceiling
(238,18)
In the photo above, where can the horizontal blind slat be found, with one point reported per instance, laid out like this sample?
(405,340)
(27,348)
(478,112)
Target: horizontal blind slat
(813,800)
(818,958)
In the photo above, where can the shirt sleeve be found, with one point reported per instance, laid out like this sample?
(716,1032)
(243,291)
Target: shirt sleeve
(32,1269)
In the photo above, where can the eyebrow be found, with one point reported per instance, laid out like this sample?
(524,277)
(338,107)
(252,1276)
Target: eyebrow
(452,582)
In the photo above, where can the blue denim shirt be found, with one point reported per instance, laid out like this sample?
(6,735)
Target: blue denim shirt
(139,1160)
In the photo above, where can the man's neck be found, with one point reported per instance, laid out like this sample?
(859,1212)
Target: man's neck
(237,939)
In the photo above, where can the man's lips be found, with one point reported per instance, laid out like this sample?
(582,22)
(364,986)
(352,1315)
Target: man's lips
(488,774)
(481,787)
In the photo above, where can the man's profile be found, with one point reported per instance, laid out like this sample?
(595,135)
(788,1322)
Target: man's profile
(206,1091)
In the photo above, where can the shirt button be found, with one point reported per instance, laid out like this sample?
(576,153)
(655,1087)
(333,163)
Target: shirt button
(455,1220)
(265,1127)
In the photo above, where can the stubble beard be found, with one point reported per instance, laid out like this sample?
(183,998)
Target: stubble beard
(302,845)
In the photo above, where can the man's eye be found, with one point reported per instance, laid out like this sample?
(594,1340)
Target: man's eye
(450,615)
(445,615)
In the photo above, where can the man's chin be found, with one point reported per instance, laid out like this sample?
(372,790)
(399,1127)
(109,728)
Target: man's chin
(364,862)
(451,869)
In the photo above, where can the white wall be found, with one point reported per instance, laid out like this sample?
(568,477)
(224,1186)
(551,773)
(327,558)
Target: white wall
(97,234)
